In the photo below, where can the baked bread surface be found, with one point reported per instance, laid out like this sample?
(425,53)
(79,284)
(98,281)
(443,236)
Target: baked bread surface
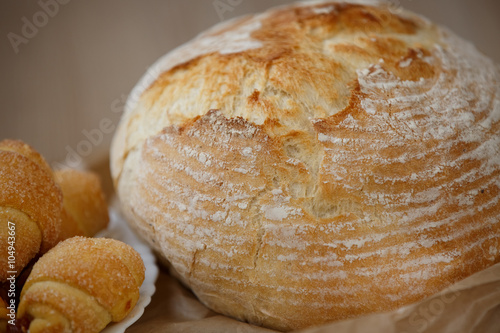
(81,285)
(85,208)
(30,206)
(40,207)
(316,162)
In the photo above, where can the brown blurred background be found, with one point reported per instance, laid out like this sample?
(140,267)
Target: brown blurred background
(67,78)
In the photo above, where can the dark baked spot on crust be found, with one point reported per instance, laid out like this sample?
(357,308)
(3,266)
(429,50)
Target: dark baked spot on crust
(298,46)
(254,97)
(415,68)
(353,109)
(128,305)
(337,17)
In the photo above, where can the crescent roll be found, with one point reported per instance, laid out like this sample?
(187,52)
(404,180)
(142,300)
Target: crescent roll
(31,200)
(85,208)
(81,285)
(40,207)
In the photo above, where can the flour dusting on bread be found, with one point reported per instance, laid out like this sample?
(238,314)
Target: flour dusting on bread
(317,162)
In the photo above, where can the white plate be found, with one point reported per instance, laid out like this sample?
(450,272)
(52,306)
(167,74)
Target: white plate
(119,229)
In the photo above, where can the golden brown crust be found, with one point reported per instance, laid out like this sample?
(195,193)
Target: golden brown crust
(57,307)
(83,284)
(26,150)
(85,207)
(316,162)
(26,240)
(44,206)
(29,196)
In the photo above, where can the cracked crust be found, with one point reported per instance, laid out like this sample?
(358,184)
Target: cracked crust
(316,163)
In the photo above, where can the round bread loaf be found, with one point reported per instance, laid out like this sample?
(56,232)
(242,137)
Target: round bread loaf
(316,162)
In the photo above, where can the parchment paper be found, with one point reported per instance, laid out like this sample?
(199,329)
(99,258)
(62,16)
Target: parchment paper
(472,305)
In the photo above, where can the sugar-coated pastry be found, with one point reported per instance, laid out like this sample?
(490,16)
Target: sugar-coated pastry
(85,207)
(30,206)
(81,285)
(40,207)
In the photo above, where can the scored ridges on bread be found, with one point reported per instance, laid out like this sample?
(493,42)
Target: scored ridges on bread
(316,162)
